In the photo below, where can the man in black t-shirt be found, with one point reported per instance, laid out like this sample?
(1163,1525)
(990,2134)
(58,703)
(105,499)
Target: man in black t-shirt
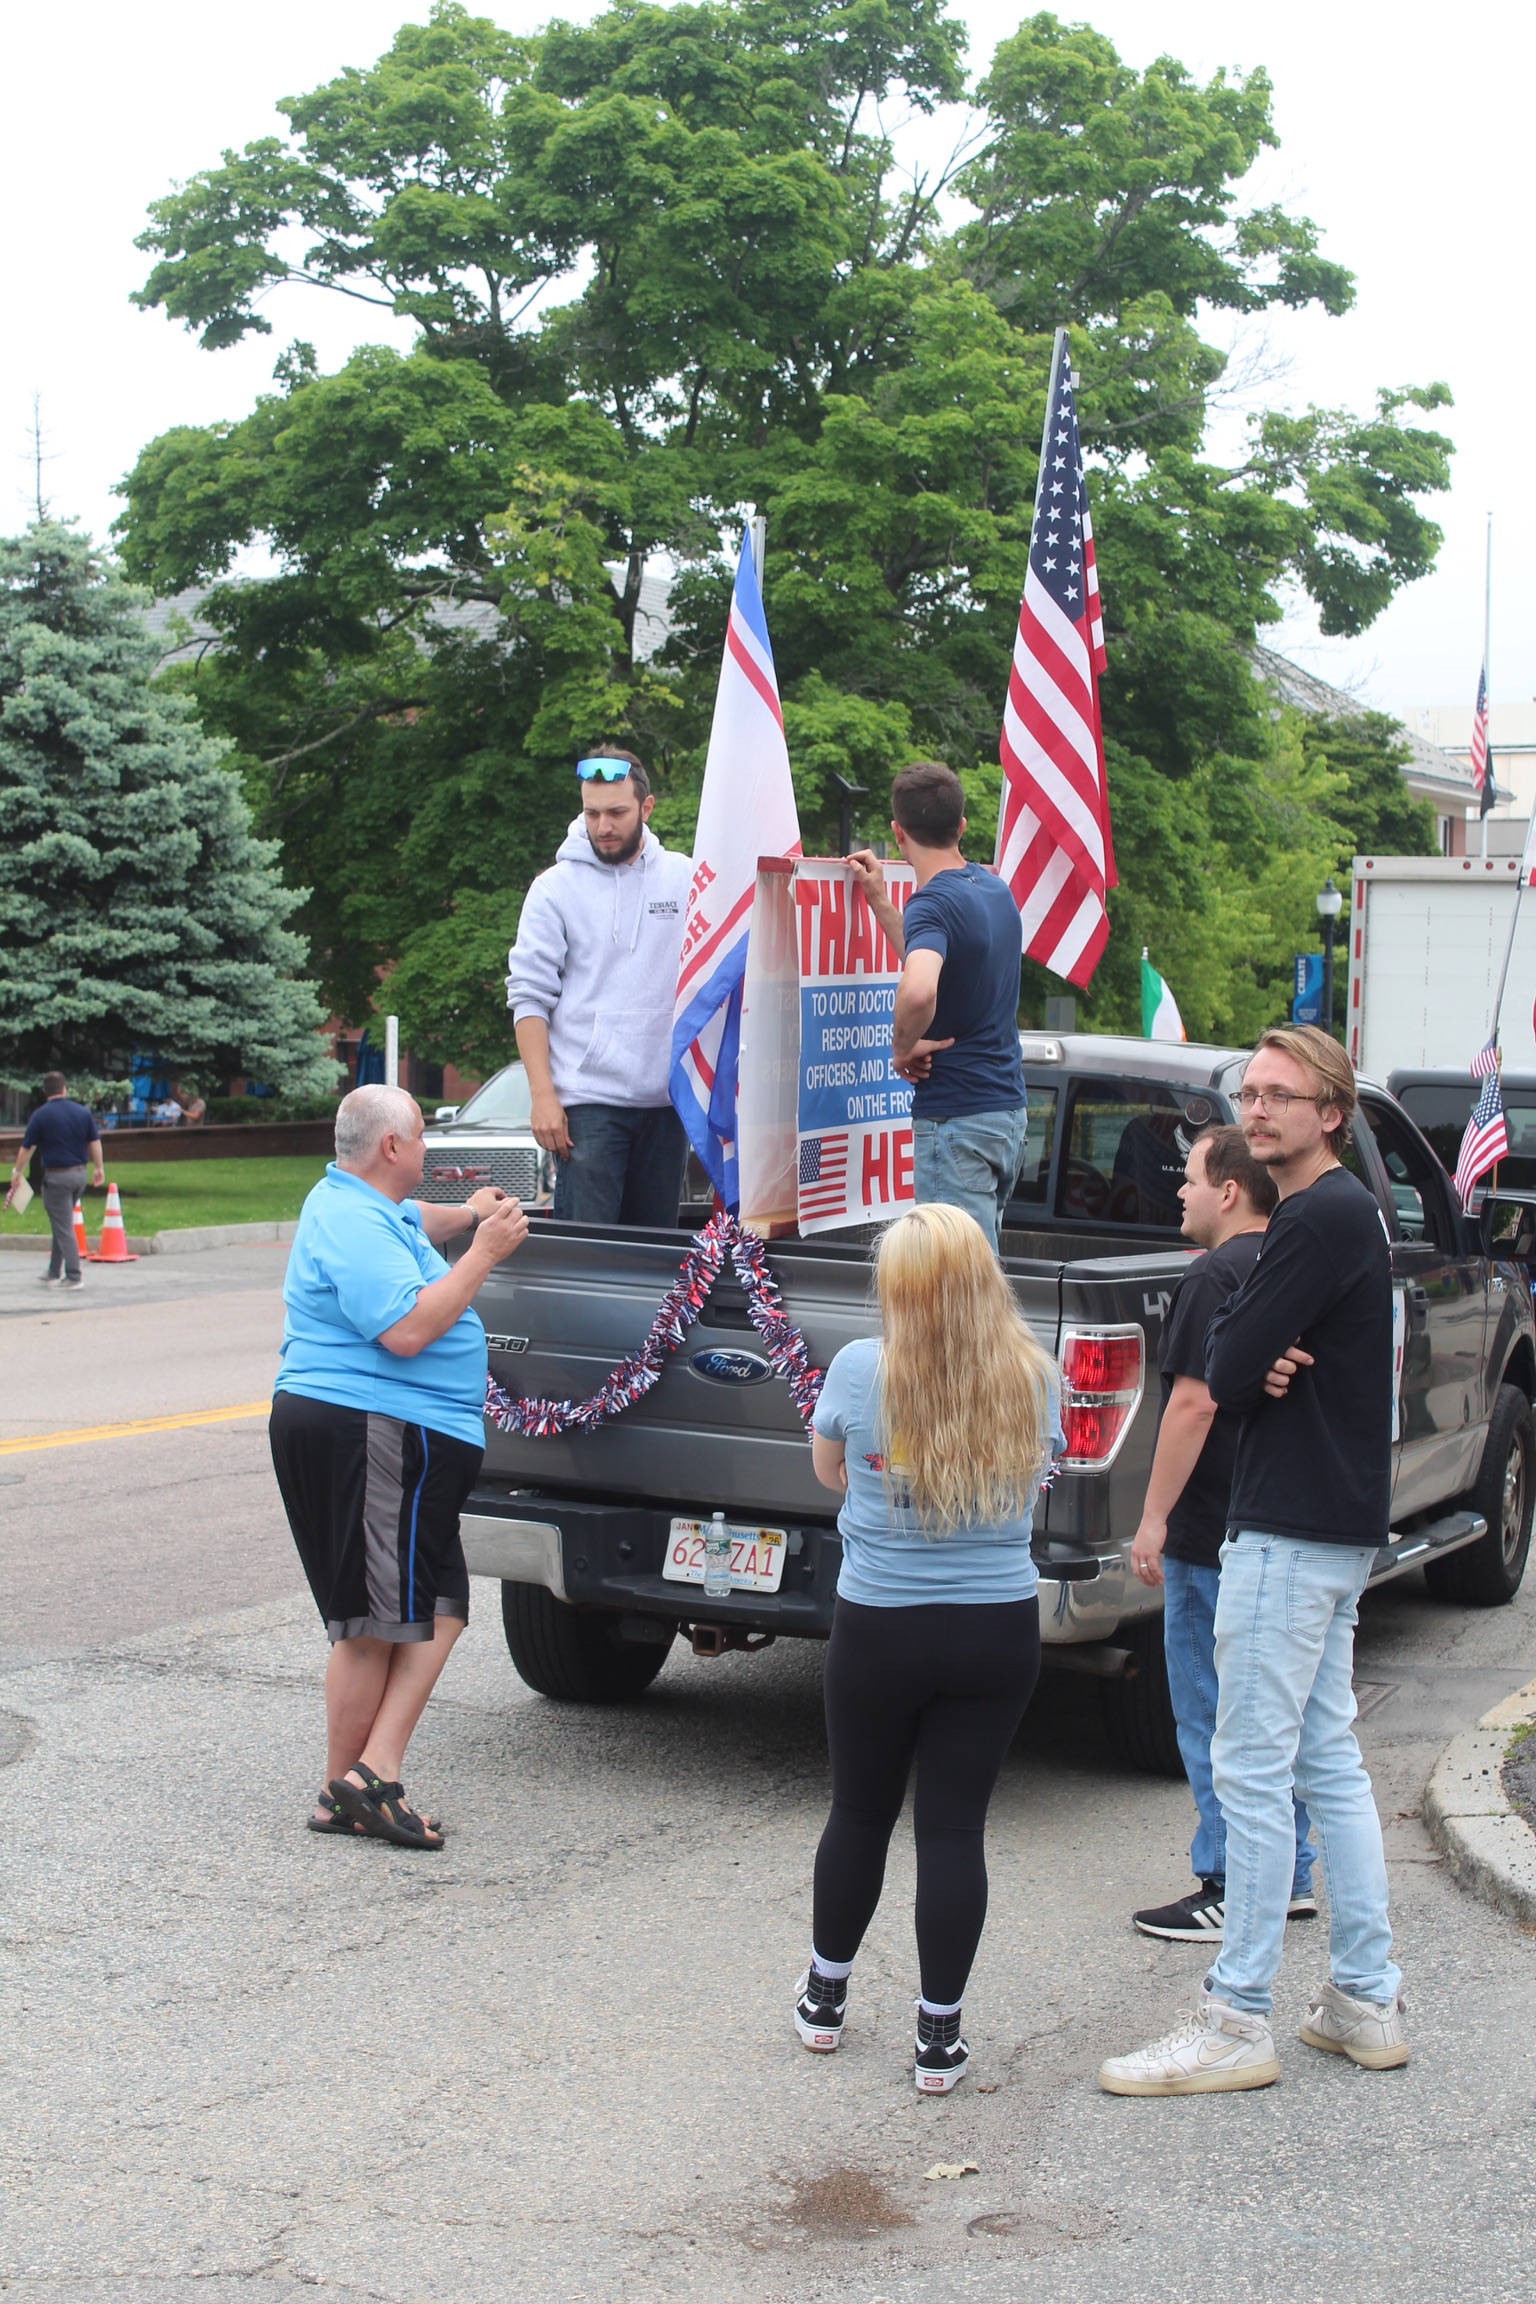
(65,1136)
(1227,1199)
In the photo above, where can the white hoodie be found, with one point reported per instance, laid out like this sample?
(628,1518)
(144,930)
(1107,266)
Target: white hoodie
(596,957)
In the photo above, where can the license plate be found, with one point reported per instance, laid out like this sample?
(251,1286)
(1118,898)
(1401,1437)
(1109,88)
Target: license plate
(757,1555)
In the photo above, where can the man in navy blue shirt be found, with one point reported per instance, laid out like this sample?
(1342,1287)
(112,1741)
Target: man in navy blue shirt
(956,1022)
(64,1133)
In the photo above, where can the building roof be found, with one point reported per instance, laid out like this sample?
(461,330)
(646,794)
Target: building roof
(1430,773)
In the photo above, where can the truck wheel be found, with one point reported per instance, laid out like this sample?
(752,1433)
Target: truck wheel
(574,1654)
(1138,1712)
(1487,1574)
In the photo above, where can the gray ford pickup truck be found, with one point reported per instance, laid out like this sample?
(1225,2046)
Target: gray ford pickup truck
(596,1537)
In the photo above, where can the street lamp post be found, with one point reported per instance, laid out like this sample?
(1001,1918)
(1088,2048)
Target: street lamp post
(1329,905)
(847,793)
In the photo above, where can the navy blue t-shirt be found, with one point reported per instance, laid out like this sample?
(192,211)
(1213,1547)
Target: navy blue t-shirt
(969,918)
(64,1130)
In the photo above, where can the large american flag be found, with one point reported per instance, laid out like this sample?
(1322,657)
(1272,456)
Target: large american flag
(1053,839)
(1485,1141)
(1482,766)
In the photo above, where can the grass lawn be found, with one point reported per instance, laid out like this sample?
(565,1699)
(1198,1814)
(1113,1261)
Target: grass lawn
(169,1195)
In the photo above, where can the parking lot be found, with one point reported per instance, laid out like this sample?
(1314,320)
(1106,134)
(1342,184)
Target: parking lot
(556,2062)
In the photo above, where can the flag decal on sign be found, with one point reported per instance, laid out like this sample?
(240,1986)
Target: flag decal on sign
(1053,837)
(823,1175)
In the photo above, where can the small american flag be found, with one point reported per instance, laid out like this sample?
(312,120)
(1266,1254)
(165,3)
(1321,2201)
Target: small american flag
(1487,1059)
(1482,766)
(823,1175)
(1053,839)
(1485,1141)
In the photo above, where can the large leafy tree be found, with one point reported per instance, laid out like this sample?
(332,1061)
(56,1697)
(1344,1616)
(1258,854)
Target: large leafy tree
(667,266)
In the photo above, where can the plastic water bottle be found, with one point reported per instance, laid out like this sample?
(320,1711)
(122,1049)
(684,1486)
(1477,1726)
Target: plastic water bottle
(717,1559)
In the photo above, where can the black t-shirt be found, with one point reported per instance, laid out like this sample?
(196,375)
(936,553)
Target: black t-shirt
(64,1131)
(969,918)
(1198,1521)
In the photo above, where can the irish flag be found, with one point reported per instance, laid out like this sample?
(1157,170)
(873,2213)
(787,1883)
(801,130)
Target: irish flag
(1160,1018)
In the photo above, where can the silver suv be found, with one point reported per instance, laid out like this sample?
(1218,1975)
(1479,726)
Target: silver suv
(489,1140)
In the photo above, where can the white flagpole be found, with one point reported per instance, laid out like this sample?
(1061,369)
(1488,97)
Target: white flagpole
(1514,922)
(1488,692)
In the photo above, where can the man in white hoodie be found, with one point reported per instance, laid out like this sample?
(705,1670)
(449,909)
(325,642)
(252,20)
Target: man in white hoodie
(590,984)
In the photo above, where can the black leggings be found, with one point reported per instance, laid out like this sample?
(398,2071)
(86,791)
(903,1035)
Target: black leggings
(949,1684)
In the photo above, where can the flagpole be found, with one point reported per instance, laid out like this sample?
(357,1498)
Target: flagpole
(1058,355)
(1488,698)
(1514,922)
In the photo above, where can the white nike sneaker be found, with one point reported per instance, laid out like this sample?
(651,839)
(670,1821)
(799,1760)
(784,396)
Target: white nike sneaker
(1216,2047)
(1368,2032)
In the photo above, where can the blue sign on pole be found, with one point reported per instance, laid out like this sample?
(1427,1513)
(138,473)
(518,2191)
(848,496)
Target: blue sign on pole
(1307,1007)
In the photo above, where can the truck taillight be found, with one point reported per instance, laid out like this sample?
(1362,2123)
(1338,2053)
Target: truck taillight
(1102,1371)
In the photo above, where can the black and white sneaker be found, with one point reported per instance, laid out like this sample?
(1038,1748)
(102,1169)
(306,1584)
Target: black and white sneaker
(942,2055)
(1196,1919)
(820,2006)
(1302,1906)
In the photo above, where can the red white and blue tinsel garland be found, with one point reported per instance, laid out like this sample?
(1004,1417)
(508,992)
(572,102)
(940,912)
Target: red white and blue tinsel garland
(723,1236)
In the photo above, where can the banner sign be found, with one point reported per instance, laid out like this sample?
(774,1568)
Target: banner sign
(1307,1005)
(853,1126)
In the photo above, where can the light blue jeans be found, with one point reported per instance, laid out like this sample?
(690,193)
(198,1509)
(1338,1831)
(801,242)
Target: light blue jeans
(1189,1642)
(970,1162)
(1285,1646)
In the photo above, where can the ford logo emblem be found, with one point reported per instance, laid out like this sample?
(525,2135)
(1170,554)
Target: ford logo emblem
(723,1366)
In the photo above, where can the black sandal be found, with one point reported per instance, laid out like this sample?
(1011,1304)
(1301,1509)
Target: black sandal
(381,1810)
(337,1821)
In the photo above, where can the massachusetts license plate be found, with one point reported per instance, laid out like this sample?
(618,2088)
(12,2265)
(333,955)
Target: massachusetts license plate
(757,1555)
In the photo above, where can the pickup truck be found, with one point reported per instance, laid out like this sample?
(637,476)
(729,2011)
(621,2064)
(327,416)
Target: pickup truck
(594,1535)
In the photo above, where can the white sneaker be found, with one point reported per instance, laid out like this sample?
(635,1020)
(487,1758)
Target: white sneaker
(1368,2032)
(1216,2047)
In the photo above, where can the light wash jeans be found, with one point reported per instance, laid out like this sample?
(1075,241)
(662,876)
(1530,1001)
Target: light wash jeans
(1285,1644)
(970,1162)
(1189,1643)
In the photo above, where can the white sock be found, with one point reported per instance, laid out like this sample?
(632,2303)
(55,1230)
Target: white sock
(831,1969)
(940,2007)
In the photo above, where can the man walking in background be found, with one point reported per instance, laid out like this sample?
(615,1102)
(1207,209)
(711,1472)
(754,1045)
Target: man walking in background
(1228,1199)
(590,983)
(1304,1351)
(65,1136)
(955,1029)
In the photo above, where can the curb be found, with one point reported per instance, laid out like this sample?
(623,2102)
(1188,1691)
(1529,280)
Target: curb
(1489,1848)
(182,1243)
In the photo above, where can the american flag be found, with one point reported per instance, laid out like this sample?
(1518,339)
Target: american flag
(1482,766)
(1487,1058)
(1485,1141)
(823,1175)
(1053,839)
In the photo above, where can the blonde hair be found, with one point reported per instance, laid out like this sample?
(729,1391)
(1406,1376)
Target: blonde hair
(1319,1053)
(965,1402)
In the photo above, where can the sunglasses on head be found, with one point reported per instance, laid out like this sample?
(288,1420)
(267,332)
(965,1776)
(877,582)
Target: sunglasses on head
(611,771)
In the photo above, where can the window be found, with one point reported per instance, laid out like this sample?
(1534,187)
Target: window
(1442,1109)
(504,1102)
(1035,1167)
(1127,1143)
(1413,1178)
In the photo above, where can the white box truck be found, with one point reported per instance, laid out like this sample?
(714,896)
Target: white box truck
(1427,939)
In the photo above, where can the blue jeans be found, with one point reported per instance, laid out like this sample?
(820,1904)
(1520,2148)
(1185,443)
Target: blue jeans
(1285,1646)
(625,1167)
(970,1162)
(1189,1642)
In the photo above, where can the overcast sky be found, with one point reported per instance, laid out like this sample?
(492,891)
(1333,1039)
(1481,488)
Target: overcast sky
(1403,135)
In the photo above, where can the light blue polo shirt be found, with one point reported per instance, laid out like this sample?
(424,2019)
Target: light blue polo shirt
(357,1265)
(889,1560)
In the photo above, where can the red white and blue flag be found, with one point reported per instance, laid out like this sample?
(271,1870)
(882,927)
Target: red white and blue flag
(1053,837)
(1482,766)
(1485,1141)
(1487,1058)
(823,1176)
(747,810)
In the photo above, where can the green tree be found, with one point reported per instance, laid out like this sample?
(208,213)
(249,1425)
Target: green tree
(138,911)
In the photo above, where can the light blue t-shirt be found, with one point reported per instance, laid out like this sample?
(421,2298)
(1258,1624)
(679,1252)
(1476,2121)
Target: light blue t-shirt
(357,1265)
(888,1560)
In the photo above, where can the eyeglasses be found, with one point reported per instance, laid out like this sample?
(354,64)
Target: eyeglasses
(1275,1100)
(611,771)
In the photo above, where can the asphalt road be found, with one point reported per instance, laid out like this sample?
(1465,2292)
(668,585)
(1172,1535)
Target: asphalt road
(555,2063)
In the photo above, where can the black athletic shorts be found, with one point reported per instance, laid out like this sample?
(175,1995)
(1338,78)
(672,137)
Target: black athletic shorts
(374,1507)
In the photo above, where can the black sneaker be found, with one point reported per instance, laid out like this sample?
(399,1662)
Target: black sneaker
(1302,1906)
(1195,1919)
(820,2006)
(942,2055)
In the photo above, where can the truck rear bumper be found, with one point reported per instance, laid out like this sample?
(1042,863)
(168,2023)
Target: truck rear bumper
(611,1555)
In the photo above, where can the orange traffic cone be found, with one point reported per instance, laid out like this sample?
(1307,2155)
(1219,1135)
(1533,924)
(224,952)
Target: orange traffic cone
(112,1248)
(81,1241)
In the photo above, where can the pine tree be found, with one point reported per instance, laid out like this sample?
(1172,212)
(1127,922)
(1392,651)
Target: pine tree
(137,911)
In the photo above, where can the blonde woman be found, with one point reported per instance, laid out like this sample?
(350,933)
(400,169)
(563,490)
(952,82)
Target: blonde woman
(937,1434)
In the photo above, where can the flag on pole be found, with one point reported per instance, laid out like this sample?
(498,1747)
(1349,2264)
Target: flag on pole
(1160,1018)
(1482,765)
(1053,838)
(747,810)
(1485,1141)
(1486,1060)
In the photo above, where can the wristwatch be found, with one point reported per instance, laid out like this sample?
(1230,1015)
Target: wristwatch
(474,1222)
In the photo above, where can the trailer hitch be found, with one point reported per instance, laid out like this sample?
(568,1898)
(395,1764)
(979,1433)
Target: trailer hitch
(716,1639)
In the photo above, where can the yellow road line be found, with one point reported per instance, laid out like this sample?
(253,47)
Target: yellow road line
(139,1424)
